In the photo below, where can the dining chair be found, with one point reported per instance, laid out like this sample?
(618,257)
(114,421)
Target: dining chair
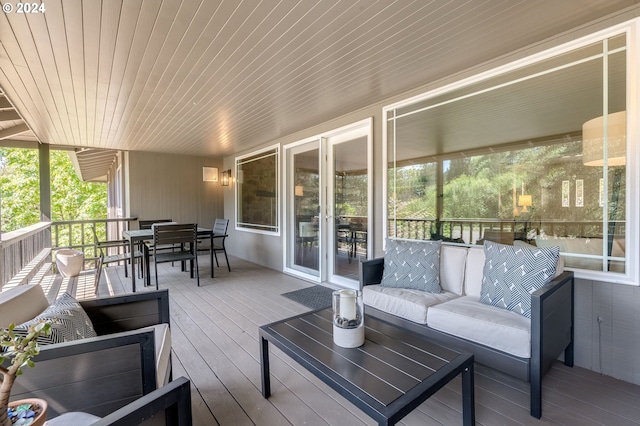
(307,237)
(147,248)
(183,238)
(105,255)
(219,236)
(147,224)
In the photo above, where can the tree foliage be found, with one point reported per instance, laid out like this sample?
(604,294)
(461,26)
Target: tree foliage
(487,186)
(19,188)
(71,198)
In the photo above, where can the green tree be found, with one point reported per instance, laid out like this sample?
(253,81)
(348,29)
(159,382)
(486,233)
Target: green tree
(71,198)
(19,188)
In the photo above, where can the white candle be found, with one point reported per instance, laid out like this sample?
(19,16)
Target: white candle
(348,304)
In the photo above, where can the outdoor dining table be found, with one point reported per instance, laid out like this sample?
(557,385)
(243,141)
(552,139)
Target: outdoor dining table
(135,236)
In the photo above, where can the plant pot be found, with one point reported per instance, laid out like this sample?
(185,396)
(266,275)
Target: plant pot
(69,262)
(39,406)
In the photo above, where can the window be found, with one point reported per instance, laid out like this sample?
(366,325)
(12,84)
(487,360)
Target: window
(257,191)
(536,154)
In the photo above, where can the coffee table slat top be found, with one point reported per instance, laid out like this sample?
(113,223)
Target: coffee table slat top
(377,361)
(392,362)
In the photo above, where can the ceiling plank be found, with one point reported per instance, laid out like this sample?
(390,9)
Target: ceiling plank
(214,83)
(131,21)
(146,22)
(57,66)
(19,84)
(152,59)
(91,30)
(72,20)
(36,44)
(206,22)
(109,26)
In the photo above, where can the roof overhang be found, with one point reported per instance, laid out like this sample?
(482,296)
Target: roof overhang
(93,165)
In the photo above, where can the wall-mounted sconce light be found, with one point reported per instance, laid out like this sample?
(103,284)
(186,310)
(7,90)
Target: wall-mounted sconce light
(226,178)
(209,174)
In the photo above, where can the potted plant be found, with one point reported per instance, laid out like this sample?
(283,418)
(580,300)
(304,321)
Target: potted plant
(20,349)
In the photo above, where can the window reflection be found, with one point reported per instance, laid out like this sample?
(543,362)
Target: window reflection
(514,158)
(257,191)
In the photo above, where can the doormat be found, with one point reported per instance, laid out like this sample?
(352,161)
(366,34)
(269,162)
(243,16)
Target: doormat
(316,297)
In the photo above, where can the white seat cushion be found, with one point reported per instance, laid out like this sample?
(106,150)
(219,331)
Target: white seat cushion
(467,318)
(162,336)
(76,418)
(405,303)
(21,304)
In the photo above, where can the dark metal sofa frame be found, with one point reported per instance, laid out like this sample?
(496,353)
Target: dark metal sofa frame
(552,309)
(100,375)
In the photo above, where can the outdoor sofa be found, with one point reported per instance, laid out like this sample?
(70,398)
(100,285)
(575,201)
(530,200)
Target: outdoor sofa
(499,338)
(129,357)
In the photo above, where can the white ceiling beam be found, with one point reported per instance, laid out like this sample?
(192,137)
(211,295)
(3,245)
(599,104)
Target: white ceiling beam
(9,115)
(12,131)
(4,103)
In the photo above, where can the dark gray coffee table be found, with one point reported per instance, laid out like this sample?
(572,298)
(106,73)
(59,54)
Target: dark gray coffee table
(390,375)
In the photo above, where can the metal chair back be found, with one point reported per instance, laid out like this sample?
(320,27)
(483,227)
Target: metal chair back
(183,238)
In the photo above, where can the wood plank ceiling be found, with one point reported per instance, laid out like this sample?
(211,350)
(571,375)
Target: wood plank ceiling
(205,77)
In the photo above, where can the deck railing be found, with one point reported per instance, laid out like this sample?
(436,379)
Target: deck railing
(19,248)
(470,231)
(83,235)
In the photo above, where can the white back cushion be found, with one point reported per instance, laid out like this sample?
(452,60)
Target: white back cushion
(473,271)
(22,303)
(452,268)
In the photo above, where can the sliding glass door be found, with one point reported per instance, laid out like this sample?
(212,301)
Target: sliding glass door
(328,207)
(347,230)
(303,207)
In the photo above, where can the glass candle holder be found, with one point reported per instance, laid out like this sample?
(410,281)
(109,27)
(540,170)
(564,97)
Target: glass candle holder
(348,318)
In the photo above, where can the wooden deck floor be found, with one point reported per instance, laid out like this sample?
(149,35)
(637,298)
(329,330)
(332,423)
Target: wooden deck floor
(215,344)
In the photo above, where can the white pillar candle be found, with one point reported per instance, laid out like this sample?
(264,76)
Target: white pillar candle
(348,304)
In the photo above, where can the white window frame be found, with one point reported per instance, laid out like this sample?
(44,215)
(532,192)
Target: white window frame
(239,160)
(632,31)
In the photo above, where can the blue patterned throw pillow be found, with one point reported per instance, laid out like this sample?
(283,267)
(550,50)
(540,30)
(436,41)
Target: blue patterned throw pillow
(512,273)
(412,264)
(68,322)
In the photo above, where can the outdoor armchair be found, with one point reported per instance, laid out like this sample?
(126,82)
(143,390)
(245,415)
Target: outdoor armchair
(168,405)
(129,358)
